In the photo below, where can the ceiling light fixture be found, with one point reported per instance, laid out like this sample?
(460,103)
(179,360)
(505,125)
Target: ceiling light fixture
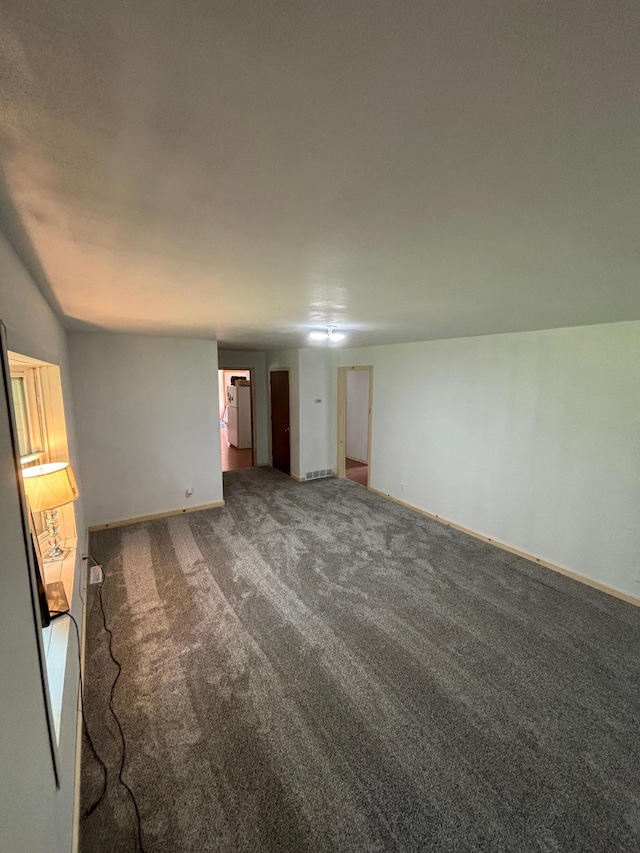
(330,335)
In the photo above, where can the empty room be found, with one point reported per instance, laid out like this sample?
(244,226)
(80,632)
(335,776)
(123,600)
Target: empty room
(319,427)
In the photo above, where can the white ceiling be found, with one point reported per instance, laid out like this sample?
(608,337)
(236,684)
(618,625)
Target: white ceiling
(251,170)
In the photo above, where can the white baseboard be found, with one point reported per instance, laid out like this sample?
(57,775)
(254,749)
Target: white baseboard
(603,587)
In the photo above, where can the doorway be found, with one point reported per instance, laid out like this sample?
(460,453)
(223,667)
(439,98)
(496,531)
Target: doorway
(355,395)
(280,427)
(237,429)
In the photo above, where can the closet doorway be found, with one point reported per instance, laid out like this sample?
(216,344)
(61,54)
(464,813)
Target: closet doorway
(236,402)
(355,395)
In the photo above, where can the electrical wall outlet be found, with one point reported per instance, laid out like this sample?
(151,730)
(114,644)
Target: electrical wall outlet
(95,574)
(188,492)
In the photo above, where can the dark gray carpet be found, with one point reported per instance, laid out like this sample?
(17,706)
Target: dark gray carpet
(313,668)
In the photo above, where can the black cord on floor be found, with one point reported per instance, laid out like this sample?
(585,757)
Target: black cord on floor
(113,713)
(84,721)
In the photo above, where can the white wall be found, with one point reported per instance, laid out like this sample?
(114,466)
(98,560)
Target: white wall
(222,397)
(531,438)
(357,414)
(34,815)
(147,421)
(315,411)
(287,360)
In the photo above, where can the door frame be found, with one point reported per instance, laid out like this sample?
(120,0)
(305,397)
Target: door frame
(342,419)
(254,423)
(286,370)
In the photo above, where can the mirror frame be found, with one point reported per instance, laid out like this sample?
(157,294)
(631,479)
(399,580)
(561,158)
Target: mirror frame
(28,551)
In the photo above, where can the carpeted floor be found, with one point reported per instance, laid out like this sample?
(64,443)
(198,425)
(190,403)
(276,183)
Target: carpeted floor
(313,668)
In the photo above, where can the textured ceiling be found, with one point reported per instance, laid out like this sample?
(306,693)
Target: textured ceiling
(251,170)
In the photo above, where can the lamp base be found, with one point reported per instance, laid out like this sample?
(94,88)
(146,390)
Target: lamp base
(53,529)
(55,554)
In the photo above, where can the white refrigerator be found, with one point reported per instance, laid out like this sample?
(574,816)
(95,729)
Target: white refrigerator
(239,415)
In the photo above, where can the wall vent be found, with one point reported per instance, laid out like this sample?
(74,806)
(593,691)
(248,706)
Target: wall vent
(316,475)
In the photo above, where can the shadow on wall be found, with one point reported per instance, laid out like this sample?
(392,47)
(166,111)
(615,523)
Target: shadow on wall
(16,233)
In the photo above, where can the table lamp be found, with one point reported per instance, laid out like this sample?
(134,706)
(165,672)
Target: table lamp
(49,487)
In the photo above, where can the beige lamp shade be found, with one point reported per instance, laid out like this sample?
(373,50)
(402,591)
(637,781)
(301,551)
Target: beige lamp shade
(50,486)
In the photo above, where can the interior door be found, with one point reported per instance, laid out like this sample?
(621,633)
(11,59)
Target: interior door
(280,434)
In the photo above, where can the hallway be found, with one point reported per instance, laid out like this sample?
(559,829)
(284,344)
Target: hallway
(233,459)
(357,471)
